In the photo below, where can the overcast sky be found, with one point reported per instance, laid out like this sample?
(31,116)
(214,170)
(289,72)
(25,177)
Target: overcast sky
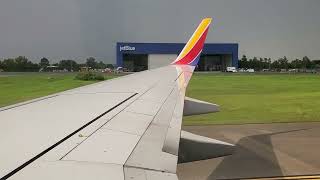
(62,29)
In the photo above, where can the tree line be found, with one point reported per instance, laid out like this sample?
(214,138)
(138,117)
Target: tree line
(259,64)
(22,64)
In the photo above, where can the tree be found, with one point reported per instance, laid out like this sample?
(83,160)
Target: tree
(307,63)
(275,65)
(296,64)
(243,62)
(283,63)
(9,65)
(101,65)
(110,66)
(44,62)
(19,64)
(266,63)
(254,63)
(261,63)
(316,64)
(91,62)
(69,65)
(304,62)
(269,63)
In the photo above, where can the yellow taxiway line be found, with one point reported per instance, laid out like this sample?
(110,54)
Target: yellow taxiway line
(309,177)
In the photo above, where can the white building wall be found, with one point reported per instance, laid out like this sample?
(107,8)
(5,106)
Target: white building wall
(159,60)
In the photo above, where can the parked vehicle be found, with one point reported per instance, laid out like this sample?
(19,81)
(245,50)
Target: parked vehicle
(250,70)
(121,70)
(231,69)
(241,70)
(293,70)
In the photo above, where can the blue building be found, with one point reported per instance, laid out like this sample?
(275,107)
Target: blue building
(142,56)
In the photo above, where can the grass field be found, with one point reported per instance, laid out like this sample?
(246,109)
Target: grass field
(26,86)
(244,98)
(257,98)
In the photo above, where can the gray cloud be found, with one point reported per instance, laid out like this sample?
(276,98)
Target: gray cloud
(80,28)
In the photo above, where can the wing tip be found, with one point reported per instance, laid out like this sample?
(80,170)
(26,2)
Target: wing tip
(208,19)
(190,54)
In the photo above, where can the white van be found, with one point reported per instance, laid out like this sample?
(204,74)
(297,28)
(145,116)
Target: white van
(231,69)
(250,70)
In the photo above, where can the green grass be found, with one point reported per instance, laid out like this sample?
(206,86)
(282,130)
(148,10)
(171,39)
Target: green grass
(257,98)
(26,86)
(244,98)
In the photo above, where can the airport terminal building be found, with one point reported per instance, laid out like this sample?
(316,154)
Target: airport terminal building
(143,56)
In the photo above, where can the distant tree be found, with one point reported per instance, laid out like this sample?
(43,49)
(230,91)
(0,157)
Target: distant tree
(9,65)
(91,62)
(307,63)
(244,58)
(19,64)
(31,67)
(44,62)
(110,66)
(283,62)
(316,61)
(275,65)
(69,65)
(243,62)
(101,65)
(266,63)
(250,63)
(261,63)
(316,64)
(269,63)
(254,63)
(296,64)
(312,65)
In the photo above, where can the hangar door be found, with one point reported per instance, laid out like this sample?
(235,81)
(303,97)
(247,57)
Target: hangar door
(135,62)
(160,60)
(211,62)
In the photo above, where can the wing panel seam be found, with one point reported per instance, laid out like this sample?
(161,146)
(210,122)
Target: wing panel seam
(62,140)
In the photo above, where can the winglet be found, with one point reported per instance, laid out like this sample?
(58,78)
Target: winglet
(190,54)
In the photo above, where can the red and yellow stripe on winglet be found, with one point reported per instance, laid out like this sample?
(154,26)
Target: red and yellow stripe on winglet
(190,54)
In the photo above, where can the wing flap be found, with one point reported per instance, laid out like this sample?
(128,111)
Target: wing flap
(195,148)
(196,107)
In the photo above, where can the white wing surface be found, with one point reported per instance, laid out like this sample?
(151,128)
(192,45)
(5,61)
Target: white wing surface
(125,128)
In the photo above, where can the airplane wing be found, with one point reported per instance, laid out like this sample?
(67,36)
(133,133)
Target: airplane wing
(121,129)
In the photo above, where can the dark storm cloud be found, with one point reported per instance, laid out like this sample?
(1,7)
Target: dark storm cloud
(80,28)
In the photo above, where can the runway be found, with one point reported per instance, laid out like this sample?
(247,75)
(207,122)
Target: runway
(262,150)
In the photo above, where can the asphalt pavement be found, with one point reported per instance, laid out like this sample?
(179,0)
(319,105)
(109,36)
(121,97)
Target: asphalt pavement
(262,150)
